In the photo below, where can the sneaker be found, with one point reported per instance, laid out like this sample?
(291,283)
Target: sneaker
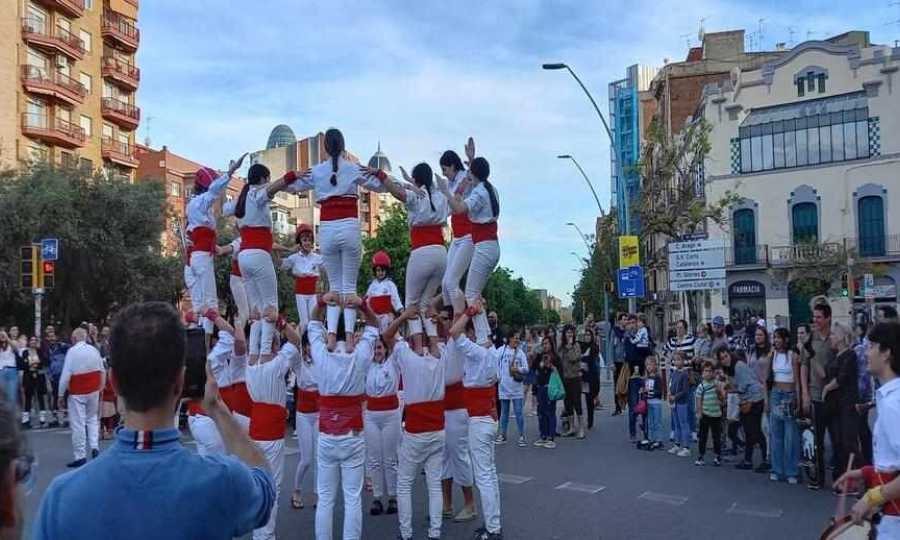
(465,514)
(763,467)
(377,508)
(684,452)
(656,445)
(694,437)
(700,462)
(539,442)
(550,444)
(717,461)
(500,440)
(744,466)
(675,449)
(773,477)
(77,463)
(522,443)
(94,453)
(392,506)
(814,486)
(792,480)
(672,436)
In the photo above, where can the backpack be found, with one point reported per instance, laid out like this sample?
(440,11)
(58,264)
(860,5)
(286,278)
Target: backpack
(57,361)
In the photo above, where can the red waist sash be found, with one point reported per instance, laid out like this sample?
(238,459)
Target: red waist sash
(424,417)
(340,415)
(334,208)
(203,239)
(195,409)
(305,284)
(307,401)
(481,401)
(873,479)
(482,232)
(384,403)
(381,305)
(267,422)
(256,238)
(454,397)
(240,399)
(426,235)
(462,226)
(235,267)
(85,383)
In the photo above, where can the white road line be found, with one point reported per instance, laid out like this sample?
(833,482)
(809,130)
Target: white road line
(755,511)
(513,479)
(583,488)
(674,500)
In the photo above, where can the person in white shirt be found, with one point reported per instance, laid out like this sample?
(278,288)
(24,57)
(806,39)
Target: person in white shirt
(882,478)
(382,429)
(459,256)
(266,384)
(200,275)
(512,366)
(422,442)
(480,376)
(483,208)
(336,185)
(306,266)
(307,422)
(235,280)
(83,376)
(382,294)
(340,460)
(427,212)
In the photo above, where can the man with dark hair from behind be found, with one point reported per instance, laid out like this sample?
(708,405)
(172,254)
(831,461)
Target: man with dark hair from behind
(147,485)
(14,469)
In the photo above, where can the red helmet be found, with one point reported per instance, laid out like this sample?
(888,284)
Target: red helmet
(205,176)
(304,228)
(381,258)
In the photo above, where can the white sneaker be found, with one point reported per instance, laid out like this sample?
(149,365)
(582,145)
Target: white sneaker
(550,444)
(684,452)
(522,443)
(500,440)
(674,450)
(539,442)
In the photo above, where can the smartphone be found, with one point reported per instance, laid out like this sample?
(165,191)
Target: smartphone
(195,364)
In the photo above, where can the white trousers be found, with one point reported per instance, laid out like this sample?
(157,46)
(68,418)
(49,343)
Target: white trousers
(239,293)
(261,284)
(341,251)
(382,431)
(307,440)
(274,451)
(485,257)
(306,303)
(384,320)
(424,272)
(84,414)
(203,288)
(459,257)
(482,430)
(416,450)
(457,464)
(205,433)
(340,462)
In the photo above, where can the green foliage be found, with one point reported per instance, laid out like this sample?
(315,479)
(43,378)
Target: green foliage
(551,316)
(109,232)
(516,305)
(598,274)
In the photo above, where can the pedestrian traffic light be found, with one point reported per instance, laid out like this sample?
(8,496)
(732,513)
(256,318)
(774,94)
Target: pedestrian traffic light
(28,268)
(845,284)
(48,280)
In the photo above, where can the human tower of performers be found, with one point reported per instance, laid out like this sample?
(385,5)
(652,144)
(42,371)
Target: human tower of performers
(353,417)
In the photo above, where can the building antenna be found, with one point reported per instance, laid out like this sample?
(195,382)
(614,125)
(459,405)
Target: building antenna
(791,32)
(147,130)
(687,40)
(897,21)
(701,33)
(759,33)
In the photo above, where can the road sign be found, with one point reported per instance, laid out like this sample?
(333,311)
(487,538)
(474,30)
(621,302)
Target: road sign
(685,275)
(49,249)
(696,265)
(869,286)
(697,285)
(629,254)
(631,282)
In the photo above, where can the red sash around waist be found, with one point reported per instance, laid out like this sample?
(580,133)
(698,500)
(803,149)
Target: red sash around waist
(424,417)
(381,305)
(203,239)
(85,383)
(235,267)
(305,284)
(240,399)
(482,232)
(334,208)
(426,235)
(481,401)
(195,409)
(267,422)
(307,401)
(108,394)
(384,403)
(340,415)
(873,479)
(462,226)
(227,395)
(454,397)
(256,238)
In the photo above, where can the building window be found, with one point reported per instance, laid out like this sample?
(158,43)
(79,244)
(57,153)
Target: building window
(107,131)
(86,39)
(86,82)
(38,153)
(174,189)
(86,125)
(67,159)
(870,213)
(86,163)
(88,4)
(805,220)
(744,236)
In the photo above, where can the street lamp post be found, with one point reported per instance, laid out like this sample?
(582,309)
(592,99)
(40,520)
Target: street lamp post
(586,179)
(612,142)
(583,237)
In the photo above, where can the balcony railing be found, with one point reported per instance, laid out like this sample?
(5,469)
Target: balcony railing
(118,152)
(56,39)
(121,30)
(52,130)
(121,72)
(52,83)
(803,254)
(123,114)
(72,8)
(876,246)
(757,255)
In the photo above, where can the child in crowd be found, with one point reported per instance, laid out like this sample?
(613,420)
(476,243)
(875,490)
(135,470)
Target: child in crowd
(679,390)
(709,398)
(635,387)
(653,393)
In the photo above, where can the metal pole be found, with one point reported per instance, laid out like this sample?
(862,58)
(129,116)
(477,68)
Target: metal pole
(586,179)
(37,312)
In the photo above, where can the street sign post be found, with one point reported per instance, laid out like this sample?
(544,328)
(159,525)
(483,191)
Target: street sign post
(49,249)
(629,253)
(631,282)
(696,265)
(869,286)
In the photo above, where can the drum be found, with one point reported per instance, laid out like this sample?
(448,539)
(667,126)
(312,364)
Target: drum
(845,529)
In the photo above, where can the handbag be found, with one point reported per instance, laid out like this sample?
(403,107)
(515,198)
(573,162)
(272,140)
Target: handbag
(640,407)
(516,375)
(746,407)
(555,389)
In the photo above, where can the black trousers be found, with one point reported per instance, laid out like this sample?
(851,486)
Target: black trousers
(843,425)
(713,423)
(35,387)
(752,423)
(617,368)
(573,395)
(865,438)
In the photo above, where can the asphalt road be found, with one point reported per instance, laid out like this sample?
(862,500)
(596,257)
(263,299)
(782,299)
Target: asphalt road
(599,488)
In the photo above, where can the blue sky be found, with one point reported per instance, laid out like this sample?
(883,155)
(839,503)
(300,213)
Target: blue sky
(420,77)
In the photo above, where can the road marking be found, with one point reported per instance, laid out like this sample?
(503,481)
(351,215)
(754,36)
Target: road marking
(674,500)
(755,511)
(513,479)
(583,488)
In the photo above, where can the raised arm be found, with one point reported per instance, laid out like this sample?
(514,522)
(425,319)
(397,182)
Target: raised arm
(459,326)
(391,331)
(292,181)
(395,188)
(227,249)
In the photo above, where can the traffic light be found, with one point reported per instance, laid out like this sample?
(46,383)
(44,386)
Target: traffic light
(48,280)
(845,284)
(28,269)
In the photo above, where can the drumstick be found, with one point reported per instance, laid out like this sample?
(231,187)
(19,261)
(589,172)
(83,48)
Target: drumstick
(842,499)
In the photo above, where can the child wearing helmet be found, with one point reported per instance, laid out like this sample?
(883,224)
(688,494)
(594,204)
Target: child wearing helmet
(382,294)
(305,265)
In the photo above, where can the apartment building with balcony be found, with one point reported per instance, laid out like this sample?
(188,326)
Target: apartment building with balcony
(811,144)
(68,80)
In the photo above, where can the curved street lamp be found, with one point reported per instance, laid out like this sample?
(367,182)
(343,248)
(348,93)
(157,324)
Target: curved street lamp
(586,179)
(583,237)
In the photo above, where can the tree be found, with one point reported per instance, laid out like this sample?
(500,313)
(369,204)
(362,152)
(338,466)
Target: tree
(551,316)
(598,275)
(109,232)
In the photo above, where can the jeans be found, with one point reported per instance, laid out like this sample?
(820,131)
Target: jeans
(682,426)
(9,383)
(546,414)
(633,398)
(784,434)
(692,409)
(654,419)
(504,415)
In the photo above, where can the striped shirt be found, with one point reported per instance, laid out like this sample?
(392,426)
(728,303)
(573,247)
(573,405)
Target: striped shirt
(709,399)
(684,344)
